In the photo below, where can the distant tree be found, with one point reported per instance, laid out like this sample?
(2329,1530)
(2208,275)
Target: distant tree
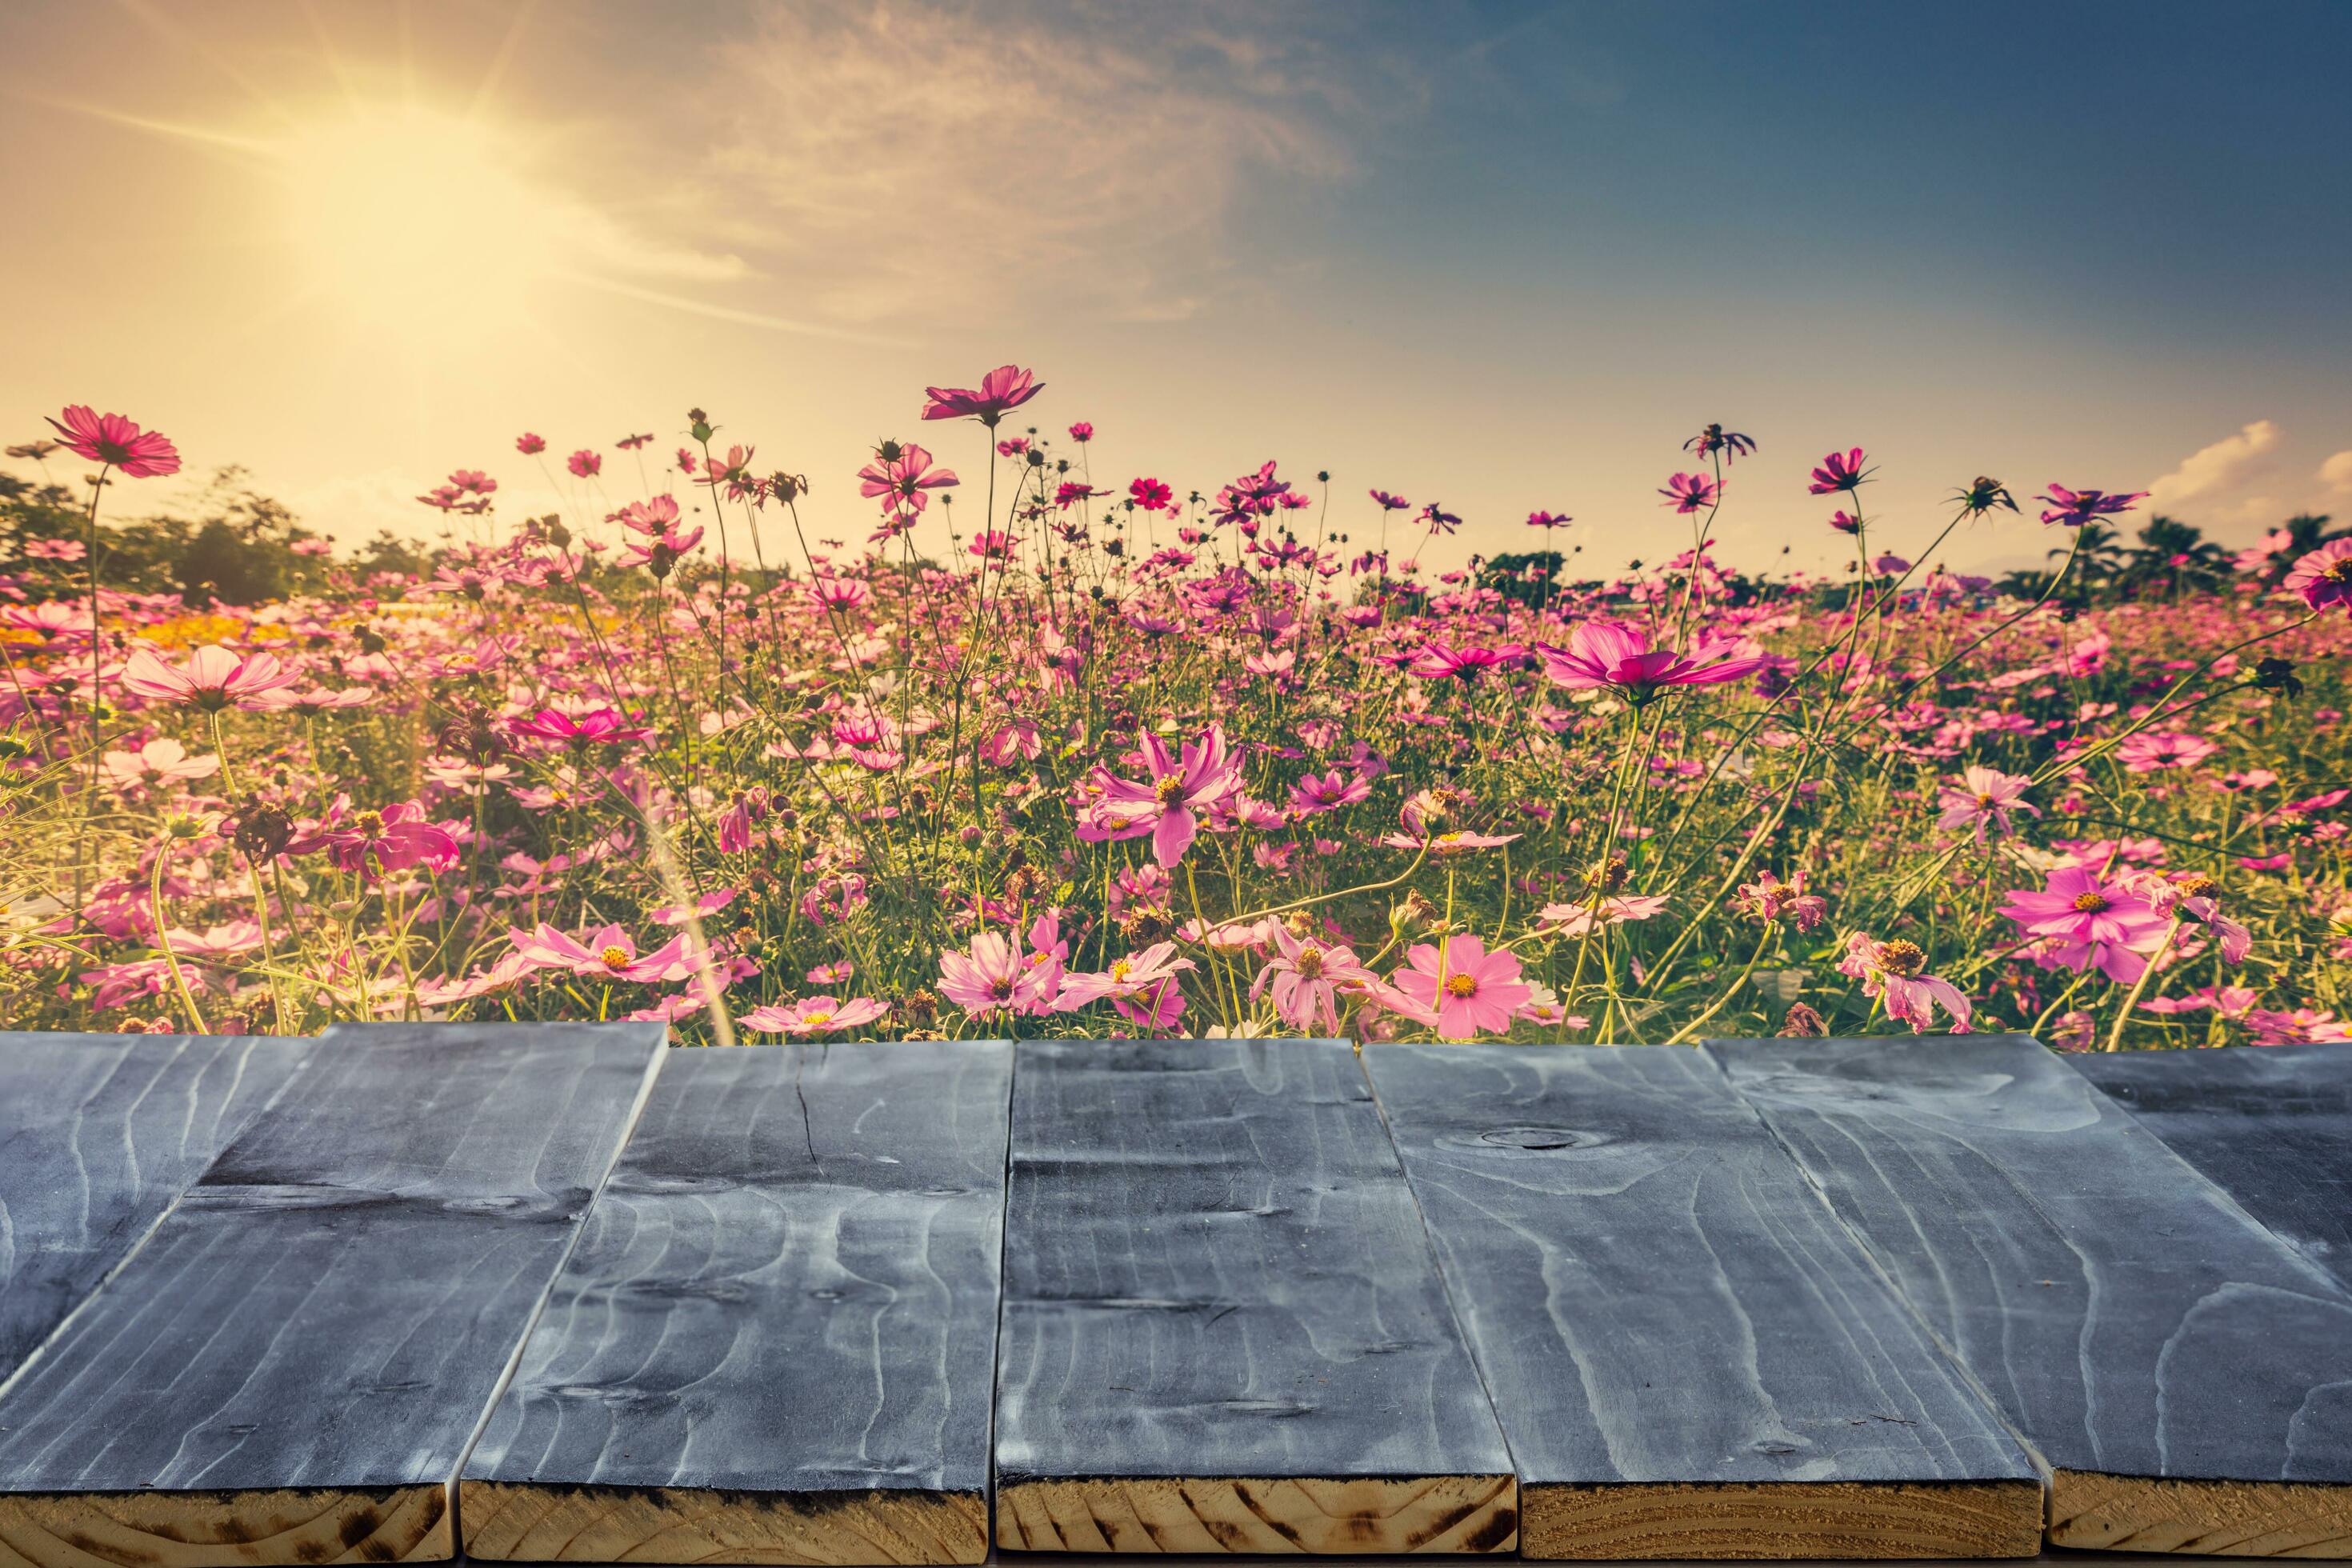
(2172,555)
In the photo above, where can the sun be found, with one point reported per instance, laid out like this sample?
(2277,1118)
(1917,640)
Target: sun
(417,221)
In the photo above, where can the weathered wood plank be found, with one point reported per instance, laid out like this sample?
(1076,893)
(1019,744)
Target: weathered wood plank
(2271,1126)
(292,1366)
(1223,1331)
(2186,1375)
(99,1135)
(1689,1354)
(776,1341)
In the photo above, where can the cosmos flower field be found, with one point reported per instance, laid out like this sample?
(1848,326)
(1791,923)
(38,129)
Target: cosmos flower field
(1121,753)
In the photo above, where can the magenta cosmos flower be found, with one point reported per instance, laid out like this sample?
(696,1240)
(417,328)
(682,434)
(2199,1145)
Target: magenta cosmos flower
(1839,472)
(1983,794)
(2324,577)
(2090,921)
(119,443)
(212,679)
(1470,990)
(604,724)
(1001,391)
(1611,654)
(373,842)
(901,477)
(1891,971)
(1692,492)
(585,464)
(1203,774)
(2075,508)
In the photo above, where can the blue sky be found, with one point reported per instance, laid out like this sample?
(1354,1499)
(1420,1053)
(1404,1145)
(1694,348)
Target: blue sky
(1502,255)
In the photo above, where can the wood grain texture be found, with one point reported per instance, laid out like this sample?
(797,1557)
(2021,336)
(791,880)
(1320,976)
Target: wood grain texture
(2270,1125)
(1372,1516)
(776,1338)
(99,1135)
(1689,1353)
(2124,1312)
(328,1312)
(2214,1519)
(1783,1520)
(1215,1279)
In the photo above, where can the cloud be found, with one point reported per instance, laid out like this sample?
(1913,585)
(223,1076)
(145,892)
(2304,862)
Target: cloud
(2216,467)
(939,167)
(2335,473)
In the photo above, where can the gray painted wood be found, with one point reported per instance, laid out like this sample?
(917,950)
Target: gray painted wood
(1213,1268)
(99,1135)
(336,1299)
(789,1285)
(2270,1125)
(1652,1289)
(2122,1310)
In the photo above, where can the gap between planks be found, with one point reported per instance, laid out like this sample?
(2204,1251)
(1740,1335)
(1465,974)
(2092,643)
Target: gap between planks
(1358,1514)
(189,1529)
(2216,1519)
(675,1524)
(1780,1519)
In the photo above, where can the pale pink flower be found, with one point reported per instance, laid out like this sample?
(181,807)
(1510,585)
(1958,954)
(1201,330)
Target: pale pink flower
(1981,795)
(610,952)
(116,442)
(1470,990)
(1892,971)
(212,679)
(812,1016)
(991,977)
(1200,777)
(1307,973)
(2324,577)
(1614,655)
(164,761)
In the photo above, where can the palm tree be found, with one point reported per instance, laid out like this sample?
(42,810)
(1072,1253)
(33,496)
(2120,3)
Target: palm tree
(2171,554)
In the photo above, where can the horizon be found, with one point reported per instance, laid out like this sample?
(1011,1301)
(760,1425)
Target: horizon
(1503,257)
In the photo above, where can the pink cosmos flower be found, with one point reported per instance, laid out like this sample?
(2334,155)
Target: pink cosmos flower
(2075,508)
(2148,753)
(904,480)
(1549,519)
(116,442)
(1981,794)
(1770,898)
(586,463)
(1388,502)
(164,761)
(1152,495)
(610,952)
(61,548)
(1082,431)
(1438,660)
(1002,390)
(1151,971)
(2089,922)
(1332,790)
(812,1016)
(1692,492)
(375,842)
(599,724)
(1891,971)
(1611,654)
(1203,775)
(2324,577)
(1470,990)
(1840,471)
(1308,974)
(1577,919)
(529,445)
(212,679)
(991,977)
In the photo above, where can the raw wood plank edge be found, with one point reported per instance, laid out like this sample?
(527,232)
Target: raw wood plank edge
(2216,1519)
(188,1529)
(1352,1514)
(1780,1519)
(534,1523)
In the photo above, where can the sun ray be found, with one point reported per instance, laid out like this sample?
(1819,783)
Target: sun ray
(497,70)
(192,42)
(197,135)
(730,313)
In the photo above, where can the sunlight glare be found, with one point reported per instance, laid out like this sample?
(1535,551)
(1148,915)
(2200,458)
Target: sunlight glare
(412,219)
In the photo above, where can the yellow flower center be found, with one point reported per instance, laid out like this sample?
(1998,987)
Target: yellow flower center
(615,957)
(1461,985)
(2090,903)
(368,821)
(1170,789)
(1903,958)
(1118,971)
(1984,800)
(1309,964)
(817,1020)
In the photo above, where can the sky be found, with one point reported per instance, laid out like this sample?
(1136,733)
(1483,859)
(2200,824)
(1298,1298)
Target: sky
(1503,257)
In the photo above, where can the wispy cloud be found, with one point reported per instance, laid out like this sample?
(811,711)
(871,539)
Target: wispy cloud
(2216,467)
(963,165)
(2251,480)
